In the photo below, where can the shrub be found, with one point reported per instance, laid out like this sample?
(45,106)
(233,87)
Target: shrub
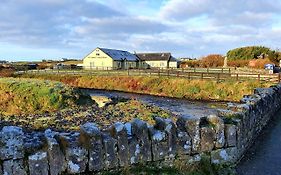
(213,60)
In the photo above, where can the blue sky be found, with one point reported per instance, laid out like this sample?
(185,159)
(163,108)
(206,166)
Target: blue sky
(48,29)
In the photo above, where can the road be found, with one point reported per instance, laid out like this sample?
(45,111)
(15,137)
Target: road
(264,158)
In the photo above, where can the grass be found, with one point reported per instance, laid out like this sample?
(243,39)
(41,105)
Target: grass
(25,96)
(163,86)
(72,118)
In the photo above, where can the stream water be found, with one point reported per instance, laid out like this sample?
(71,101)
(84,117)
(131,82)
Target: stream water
(177,106)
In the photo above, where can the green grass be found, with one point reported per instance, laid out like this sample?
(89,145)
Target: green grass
(163,86)
(23,96)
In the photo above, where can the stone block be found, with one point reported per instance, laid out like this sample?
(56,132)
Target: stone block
(168,126)
(34,142)
(160,145)
(38,163)
(11,143)
(218,124)
(76,155)
(119,132)
(231,136)
(193,129)
(56,157)
(140,132)
(110,151)
(208,137)
(183,143)
(224,156)
(91,138)
(14,167)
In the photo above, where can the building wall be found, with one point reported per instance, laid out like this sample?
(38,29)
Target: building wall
(173,64)
(98,59)
(161,64)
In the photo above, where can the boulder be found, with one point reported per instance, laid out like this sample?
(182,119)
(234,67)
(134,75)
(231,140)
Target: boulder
(160,145)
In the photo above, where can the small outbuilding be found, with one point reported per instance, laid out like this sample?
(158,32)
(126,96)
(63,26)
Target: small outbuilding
(157,60)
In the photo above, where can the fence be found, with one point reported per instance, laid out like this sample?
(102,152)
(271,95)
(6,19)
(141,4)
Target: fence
(219,74)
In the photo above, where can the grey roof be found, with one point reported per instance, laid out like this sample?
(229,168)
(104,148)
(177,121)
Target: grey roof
(155,57)
(119,55)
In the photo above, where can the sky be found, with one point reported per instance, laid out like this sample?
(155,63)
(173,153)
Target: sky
(51,29)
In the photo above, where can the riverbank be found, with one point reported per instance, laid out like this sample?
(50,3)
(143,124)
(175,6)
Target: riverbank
(25,96)
(163,86)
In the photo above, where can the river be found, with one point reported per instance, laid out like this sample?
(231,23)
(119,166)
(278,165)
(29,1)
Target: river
(264,157)
(177,106)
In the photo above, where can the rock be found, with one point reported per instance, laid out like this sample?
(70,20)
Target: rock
(38,164)
(110,146)
(119,132)
(218,124)
(140,132)
(34,142)
(91,137)
(183,143)
(76,155)
(134,150)
(230,131)
(224,156)
(170,130)
(160,146)
(193,129)
(14,167)
(56,157)
(207,139)
(101,100)
(11,143)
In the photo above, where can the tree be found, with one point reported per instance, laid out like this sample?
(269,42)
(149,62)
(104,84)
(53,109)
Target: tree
(250,52)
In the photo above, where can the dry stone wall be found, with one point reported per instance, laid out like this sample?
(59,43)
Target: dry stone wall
(222,138)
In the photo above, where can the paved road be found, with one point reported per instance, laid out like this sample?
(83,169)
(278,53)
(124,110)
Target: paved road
(264,158)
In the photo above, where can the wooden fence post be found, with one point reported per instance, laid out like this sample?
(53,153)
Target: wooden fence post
(279,78)
(237,77)
(159,72)
(259,77)
(168,71)
(128,72)
(218,77)
(202,76)
(189,75)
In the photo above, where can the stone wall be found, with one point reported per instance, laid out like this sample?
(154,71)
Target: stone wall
(222,138)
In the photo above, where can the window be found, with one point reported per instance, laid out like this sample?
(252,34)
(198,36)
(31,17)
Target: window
(92,64)
(97,54)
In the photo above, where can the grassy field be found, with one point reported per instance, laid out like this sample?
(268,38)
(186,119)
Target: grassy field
(24,96)
(163,86)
